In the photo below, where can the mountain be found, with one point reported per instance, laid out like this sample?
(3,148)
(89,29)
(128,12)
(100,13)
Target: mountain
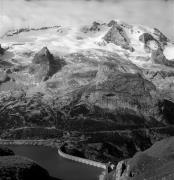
(122,70)
(111,83)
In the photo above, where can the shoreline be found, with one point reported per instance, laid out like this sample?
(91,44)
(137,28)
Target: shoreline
(52,143)
(46,143)
(82,160)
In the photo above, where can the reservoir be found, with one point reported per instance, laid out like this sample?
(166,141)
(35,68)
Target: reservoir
(57,166)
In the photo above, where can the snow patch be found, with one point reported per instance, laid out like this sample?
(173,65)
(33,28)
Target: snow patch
(169,52)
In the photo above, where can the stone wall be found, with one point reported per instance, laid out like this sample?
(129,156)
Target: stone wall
(82,160)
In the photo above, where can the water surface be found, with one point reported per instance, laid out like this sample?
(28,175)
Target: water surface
(56,165)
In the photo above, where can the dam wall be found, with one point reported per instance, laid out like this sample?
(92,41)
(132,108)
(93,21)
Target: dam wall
(82,160)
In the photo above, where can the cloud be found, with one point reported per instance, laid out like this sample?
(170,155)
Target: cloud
(19,13)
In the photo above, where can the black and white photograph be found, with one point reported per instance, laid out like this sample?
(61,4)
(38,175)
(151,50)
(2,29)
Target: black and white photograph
(86,89)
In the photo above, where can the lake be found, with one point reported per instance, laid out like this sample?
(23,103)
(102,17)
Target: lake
(57,166)
(153,13)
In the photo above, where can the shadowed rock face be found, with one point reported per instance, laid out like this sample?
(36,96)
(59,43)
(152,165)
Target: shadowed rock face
(168,110)
(158,37)
(161,37)
(146,37)
(159,58)
(44,65)
(95,26)
(1,50)
(150,43)
(43,56)
(117,36)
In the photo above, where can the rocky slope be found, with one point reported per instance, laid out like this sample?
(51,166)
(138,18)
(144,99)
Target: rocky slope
(114,146)
(153,163)
(20,168)
(14,167)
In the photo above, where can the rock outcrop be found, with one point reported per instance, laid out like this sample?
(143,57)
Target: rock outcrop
(1,50)
(159,58)
(156,46)
(4,151)
(150,43)
(154,163)
(118,36)
(162,39)
(95,27)
(21,168)
(44,65)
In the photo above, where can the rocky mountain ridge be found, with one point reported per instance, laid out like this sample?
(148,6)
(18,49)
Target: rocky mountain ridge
(120,69)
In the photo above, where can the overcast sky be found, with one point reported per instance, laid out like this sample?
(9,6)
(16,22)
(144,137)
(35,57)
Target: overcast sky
(20,13)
